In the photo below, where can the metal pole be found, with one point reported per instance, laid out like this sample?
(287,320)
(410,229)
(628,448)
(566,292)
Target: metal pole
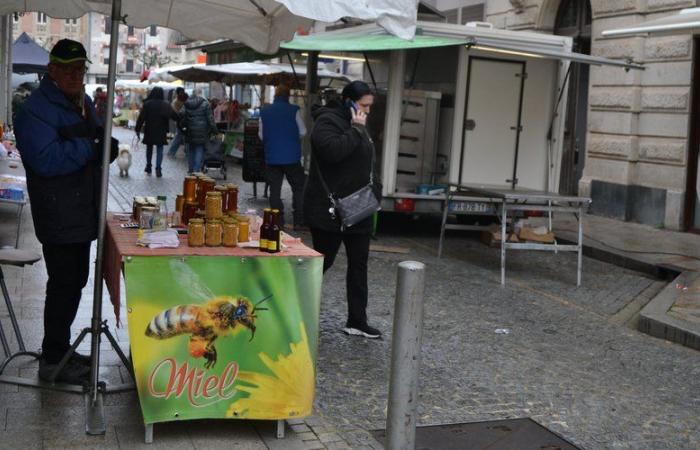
(4,61)
(8,29)
(96,323)
(504,236)
(311,97)
(405,356)
(579,260)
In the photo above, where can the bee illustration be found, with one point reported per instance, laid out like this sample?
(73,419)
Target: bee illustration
(204,322)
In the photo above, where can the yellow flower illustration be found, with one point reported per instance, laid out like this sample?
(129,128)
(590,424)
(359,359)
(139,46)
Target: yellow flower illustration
(289,392)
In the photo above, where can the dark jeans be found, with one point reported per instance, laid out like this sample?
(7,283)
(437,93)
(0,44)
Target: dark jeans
(68,267)
(296,179)
(149,155)
(357,250)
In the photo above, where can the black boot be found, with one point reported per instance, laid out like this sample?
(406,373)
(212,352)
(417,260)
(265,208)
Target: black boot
(158,172)
(148,169)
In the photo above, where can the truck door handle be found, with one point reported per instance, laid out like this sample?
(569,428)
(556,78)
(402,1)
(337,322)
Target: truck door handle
(469,124)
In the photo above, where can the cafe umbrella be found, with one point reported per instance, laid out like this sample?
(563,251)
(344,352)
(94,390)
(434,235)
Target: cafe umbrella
(260,24)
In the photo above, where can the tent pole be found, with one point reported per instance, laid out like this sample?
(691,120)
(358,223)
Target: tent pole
(8,28)
(95,409)
(4,63)
(311,96)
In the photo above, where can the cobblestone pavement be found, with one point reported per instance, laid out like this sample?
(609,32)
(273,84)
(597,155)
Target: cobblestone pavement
(568,361)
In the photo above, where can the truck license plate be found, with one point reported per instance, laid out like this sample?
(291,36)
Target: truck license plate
(472,207)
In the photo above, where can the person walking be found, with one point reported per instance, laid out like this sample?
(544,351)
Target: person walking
(100,101)
(198,126)
(154,118)
(341,153)
(59,136)
(283,151)
(177,104)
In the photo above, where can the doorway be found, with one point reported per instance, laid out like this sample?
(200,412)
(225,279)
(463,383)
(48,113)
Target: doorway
(574,19)
(692,198)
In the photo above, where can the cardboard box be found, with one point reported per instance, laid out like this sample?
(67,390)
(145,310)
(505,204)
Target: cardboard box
(539,235)
(492,236)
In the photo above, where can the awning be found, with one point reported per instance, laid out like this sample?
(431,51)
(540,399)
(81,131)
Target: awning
(246,73)
(686,20)
(368,39)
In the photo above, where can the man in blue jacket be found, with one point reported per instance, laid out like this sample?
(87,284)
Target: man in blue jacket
(60,140)
(284,128)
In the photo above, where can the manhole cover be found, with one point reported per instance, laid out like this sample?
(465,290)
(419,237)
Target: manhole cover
(511,434)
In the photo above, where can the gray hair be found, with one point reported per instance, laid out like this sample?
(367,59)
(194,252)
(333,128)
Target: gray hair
(197,92)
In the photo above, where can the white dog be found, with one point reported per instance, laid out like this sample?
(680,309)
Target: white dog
(124,160)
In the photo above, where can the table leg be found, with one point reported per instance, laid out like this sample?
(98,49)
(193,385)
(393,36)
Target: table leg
(504,237)
(280,429)
(19,223)
(445,207)
(580,246)
(149,434)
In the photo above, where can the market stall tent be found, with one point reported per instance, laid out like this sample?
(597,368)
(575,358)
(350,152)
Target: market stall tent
(246,73)
(28,56)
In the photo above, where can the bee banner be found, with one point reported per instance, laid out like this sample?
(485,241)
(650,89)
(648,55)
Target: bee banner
(223,336)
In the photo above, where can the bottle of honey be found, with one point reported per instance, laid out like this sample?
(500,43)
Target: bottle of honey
(275,236)
(265,230)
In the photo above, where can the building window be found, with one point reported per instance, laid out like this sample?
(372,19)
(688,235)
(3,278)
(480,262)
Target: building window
(129,65)
(15,17)
(105,56)
(71,21)
(130,31)
(108,25)
(154,31)
(41,18)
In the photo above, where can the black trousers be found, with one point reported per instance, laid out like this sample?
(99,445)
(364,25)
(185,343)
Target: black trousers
(357,249)
(296,179)
(68,268)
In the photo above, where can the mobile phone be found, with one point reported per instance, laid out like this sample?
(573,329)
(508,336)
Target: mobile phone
(352,105)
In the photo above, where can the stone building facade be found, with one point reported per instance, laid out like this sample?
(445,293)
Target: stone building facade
(640,163)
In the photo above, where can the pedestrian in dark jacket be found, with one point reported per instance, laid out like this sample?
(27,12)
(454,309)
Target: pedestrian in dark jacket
(59,137)
(342,155)
(198,125)
(155,118)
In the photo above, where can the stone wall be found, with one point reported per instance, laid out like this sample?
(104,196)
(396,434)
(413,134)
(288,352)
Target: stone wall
(638,121)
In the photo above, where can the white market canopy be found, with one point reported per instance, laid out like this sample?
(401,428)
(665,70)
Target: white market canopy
(246,73)
(685,20)
(163,73)
(260,24)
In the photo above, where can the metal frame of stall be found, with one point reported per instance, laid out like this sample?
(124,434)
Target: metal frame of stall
(513,200)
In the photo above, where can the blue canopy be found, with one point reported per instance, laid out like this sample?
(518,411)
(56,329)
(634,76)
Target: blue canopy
(28,56)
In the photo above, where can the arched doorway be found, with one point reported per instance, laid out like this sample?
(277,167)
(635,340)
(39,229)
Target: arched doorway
(574,19)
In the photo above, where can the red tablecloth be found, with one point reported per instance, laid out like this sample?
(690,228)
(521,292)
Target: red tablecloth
(121,242)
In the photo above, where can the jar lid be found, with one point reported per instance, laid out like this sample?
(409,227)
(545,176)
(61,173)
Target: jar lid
(214,221)
(232,186)
(213,194)
(197,221)
(219,187)
(190,177)
(229,219)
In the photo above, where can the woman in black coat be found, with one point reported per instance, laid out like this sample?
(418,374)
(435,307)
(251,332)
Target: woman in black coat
(155,118)
(342,155)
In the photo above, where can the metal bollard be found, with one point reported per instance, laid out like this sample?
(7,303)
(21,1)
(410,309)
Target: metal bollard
(405,356)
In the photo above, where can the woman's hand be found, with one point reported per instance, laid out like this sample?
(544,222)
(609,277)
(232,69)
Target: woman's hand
(359,117)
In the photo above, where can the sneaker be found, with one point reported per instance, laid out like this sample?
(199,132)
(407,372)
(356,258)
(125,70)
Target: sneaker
(147,170)
(363,330)
(72,372)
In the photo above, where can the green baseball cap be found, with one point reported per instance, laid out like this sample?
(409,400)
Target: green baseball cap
(67,51)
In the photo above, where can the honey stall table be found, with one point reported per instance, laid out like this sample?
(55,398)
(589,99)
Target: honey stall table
(218,332)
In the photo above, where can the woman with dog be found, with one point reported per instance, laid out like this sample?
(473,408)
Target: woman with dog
(154,118)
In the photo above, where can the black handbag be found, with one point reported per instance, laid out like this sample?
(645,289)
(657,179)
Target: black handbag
(360,204)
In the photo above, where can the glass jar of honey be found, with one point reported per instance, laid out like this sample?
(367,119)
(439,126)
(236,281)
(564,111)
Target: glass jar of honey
(205,185)
(213,205)
(224,196)
(195,233)
(232,199)
(243,228)
(230,232)
(213,238)
(189,210)
(179,203)
(189,189)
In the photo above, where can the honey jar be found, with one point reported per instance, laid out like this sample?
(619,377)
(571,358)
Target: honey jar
(205,185)
(243,228)
(195,233)
(188,211)
(224,197)
(230,232)
(179,203)
(213,238)
(189,189)
(232,199)
(213,205)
